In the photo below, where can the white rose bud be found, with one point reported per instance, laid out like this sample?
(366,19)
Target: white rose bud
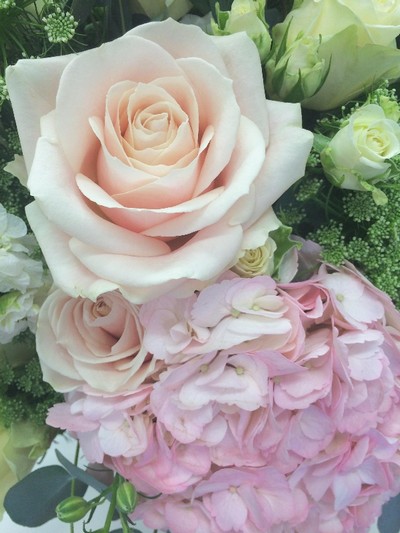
(258,261)
(358,153)
(295,71)
(248,16)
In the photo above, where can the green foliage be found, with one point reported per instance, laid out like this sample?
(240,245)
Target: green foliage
(23,393)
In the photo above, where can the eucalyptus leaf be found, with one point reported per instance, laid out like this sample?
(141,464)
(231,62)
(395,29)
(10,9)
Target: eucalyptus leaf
(80,474)
(389,521)
(32,501)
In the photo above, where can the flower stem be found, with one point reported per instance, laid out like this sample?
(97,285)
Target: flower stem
(112,507)
(121,12)
(76,457)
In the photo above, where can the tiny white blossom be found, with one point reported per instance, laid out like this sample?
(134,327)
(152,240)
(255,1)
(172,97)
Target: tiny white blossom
(17,313)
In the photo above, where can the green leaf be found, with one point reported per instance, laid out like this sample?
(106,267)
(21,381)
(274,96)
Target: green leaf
(284,244)
(320,141)
(32,501)
(78,473)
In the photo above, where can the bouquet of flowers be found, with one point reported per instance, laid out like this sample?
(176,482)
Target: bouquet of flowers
(204,290)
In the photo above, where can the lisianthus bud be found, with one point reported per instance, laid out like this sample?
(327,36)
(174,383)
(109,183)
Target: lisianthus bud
(72,509)
(294,70)
(248,16)
(126,497)
(357,156)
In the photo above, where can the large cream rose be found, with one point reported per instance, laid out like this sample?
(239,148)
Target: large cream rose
(151,158)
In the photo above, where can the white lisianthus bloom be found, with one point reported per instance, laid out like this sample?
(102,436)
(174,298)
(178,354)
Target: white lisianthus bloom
(359,152)
(18,271)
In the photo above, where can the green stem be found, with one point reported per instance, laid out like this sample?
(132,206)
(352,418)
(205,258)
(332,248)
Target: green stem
(124,523)
(112,507)
(76,457)
(121,12)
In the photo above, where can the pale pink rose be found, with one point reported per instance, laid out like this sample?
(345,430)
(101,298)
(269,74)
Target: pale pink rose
(151,158)
(93,346)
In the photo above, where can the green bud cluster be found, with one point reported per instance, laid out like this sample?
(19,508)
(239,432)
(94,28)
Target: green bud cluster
(60,26)
(7,4)
(3,91)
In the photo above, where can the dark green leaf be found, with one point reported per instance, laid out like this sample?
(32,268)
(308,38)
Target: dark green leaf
(131,530)
(204,6)
(81,9)
(33,500)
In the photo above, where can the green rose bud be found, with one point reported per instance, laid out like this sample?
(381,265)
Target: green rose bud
(294,70)
(248,16)
(72,509)
(126,497)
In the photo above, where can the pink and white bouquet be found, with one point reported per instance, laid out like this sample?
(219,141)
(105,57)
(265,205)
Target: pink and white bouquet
(210,341)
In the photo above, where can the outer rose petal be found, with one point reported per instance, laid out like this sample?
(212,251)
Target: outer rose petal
(34,86)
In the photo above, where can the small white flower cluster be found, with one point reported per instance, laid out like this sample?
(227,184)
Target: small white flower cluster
(60,26)
(20,277)
(3,91)
(6,4)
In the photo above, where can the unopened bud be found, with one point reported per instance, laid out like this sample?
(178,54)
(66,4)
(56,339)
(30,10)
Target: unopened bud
(72,509)
(126,497)
(247,16)
(294,69)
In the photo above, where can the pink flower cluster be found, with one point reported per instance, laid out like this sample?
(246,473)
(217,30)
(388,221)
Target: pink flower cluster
(271,408)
